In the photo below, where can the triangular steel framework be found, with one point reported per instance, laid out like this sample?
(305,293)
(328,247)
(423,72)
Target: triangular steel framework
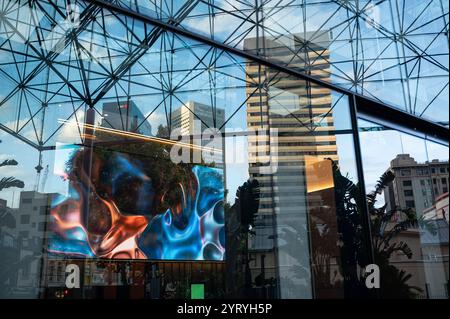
(391,51)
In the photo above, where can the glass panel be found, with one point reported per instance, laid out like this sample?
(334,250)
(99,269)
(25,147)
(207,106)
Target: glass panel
(406,180)
(137,163)
(151,163)
(370,46)
(437,214)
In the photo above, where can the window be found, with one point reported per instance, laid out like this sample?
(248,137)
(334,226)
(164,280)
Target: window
(443,170)
(445,190)
(24,234)
(405,172)
(41,226)
(8,241)
(409,193)
(373,145)
(444,181)
(407,183)
(433,171)
(43,210)
(410,204)
(25,219)
(421,172)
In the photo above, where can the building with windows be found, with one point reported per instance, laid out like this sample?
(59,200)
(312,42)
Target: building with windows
(440,210)
(31,233)
(196,121)
(315,103)
(417,185)
(295,136)
(125,116)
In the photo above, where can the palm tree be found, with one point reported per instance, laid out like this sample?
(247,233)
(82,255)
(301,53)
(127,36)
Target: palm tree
(385,237)
(8,220)
(8,182)
(385,231)
(247,205)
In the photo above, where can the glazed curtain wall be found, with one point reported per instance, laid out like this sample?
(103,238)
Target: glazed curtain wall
(407,178)
(93,118)
(154,162)
(376,47)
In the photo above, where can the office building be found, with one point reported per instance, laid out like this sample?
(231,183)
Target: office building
(197,122)
(125,116)
(417,185)
(316,102)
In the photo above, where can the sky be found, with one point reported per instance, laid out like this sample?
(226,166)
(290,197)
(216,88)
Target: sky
(378,148)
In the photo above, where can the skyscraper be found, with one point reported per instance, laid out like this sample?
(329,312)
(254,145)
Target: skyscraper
(125,116)
(294,130)
(194,126)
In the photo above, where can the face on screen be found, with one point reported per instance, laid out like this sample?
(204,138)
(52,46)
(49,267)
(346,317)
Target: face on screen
(123,206)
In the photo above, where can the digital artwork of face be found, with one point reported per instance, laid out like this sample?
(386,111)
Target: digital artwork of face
(121,206)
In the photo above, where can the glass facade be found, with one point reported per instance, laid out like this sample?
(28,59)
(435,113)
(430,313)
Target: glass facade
(217,149)
(394,51)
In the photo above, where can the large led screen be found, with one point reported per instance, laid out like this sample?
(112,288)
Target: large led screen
(126,206)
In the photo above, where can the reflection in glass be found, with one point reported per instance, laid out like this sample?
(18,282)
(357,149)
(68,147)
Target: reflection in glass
(98,113)
(390,51)
(407,203)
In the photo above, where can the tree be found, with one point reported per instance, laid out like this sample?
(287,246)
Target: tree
(8,267)
(247,203)
(353,252)
(385,231)
(6,219)
(9,182)
(163,131)
(241,220)
(353,248)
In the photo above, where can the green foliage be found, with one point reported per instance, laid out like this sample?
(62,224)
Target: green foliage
(9,163)
(386,227)
(10,182)
(247,203)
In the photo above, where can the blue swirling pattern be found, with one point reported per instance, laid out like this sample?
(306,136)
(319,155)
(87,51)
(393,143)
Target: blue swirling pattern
(203,237)
(199,236)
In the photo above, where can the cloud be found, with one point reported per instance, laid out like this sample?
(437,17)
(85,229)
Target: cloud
(70,131)
(4,157)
